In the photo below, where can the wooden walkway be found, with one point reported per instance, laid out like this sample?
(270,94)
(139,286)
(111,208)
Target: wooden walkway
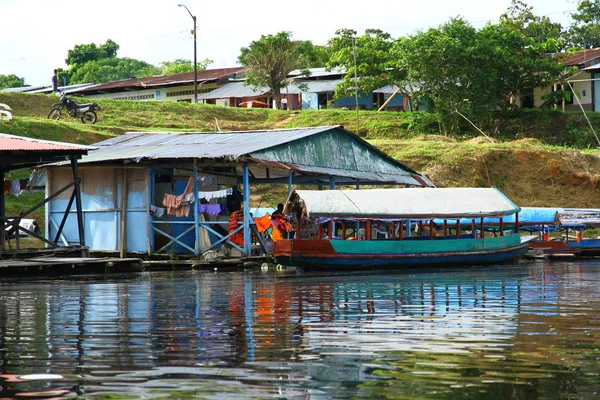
(216,264)
(50,265)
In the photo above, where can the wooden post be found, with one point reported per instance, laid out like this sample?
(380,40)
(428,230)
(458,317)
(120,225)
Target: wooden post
(246,222)
(517,223)
(481,227)
(502,227)
(473,231)
(124,190)
(194,205)
(401,230)
(430,229)
(445,228)
(458,228)
(299,226)
(77,189)
(330,228)
(368,230)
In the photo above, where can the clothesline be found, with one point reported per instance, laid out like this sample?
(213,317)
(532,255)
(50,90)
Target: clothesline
(214,194)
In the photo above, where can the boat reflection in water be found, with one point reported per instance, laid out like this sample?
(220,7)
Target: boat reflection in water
(530,330)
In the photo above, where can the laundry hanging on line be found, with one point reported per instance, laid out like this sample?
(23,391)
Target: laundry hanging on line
(215,194)
(180,205)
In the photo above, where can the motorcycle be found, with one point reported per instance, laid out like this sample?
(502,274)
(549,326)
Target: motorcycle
(87,112)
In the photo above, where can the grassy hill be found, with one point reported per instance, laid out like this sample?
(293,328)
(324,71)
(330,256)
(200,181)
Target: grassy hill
(537,158)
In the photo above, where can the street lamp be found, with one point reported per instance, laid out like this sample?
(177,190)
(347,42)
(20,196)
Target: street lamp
(195,63)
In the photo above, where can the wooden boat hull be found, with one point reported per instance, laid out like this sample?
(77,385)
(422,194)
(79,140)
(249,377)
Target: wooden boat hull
(311,253)
(558,248)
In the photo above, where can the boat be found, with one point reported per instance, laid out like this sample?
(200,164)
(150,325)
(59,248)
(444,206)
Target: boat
(569,223)
(399,228)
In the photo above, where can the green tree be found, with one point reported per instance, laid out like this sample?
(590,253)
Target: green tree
(112,69)
(539,29)
(83,53)
(181,65)
(584,32)
(470,72)
(11,81)
(269,60)
(316,56)
(371,58)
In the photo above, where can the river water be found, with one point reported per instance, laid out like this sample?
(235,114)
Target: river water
(523,331)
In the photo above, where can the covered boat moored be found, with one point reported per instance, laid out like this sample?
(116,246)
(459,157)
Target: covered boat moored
(399,227)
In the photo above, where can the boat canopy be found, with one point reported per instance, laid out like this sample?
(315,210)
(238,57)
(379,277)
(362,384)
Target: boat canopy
(409,203)
(538,218)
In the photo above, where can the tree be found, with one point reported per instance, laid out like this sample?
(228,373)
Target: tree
(269,60)
(539,29)
(11,81)
(316,56)
(585,29)
(470,72)
(180,66)
(83,53)
(112,69)
(370,58)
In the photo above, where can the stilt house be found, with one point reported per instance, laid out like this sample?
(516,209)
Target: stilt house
(173,192)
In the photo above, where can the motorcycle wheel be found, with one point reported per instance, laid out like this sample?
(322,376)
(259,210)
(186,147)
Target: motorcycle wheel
(89,117)
(55,114)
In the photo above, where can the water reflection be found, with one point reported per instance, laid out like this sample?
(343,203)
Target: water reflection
(521,331)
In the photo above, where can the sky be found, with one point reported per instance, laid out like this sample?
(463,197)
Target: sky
(35,35)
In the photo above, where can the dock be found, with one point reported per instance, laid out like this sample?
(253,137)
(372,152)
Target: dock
(54,266)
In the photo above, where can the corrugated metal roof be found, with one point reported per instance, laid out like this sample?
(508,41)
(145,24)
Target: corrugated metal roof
(164,80)
(234,90)
(66,89)
(318,72)
(19,143)
(403,203)
(318,86)
(326,150)
(23,89)
(179,145)
(580,57)
(387,89)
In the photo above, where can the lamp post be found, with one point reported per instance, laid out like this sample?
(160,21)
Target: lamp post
(195,63)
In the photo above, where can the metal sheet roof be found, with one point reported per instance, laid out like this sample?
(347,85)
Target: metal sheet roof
(327,150)
(319,86)
(23,89)
(164,80)
(18,143)
(402,203)
(579,57)
(66,89)
(387,89)
(181,145)
(233,90)
(318,72)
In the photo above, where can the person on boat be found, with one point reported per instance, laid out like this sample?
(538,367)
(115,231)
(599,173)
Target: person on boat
(425,229)
(279,210)
(281,225)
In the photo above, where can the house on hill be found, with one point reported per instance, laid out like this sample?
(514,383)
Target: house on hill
(175,192)
(175,87)
(584,82)
(312,92)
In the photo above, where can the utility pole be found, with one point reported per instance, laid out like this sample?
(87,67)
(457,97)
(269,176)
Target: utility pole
(195,62)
